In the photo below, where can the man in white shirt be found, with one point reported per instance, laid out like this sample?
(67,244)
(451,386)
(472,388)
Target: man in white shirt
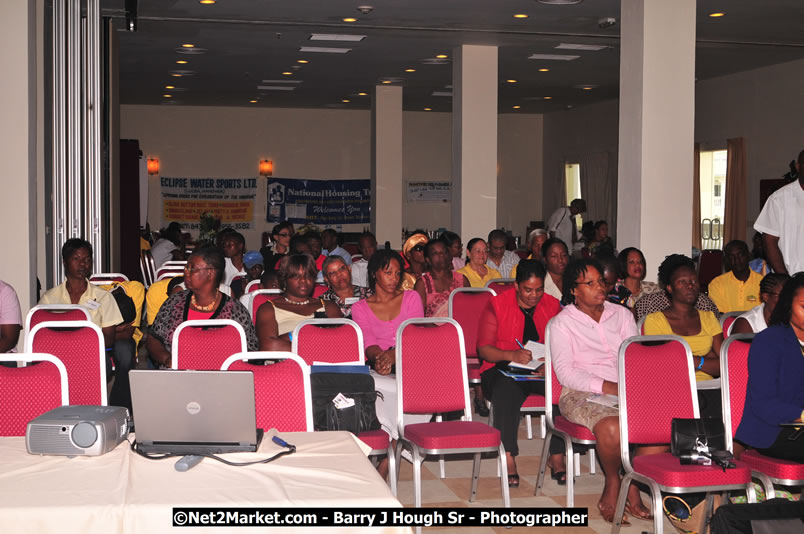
(367,244)
(167,247)
(781,222)
(499,258)
(234,247)
(329,240)
(561,223)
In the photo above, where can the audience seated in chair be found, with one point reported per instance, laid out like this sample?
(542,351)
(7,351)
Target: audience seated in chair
(500,259)
(169,246)
(756,319)
(536,239)
(338,277)
(738,288)
(234,248)
(367,245)
(413,252)
(556,257)
(10,318)
(439,280)
(633,269)
(476,269)
(455,248)
(775,376)
(329,242)
(517,315)
(202,299)
(253,263)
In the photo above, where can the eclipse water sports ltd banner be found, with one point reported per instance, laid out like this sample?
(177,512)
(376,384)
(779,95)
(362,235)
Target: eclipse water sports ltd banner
(229,199)
(322,202)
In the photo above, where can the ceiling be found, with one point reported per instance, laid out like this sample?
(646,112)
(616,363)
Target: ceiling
(248,41)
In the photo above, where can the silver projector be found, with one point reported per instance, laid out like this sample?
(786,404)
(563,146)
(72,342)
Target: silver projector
(77,430)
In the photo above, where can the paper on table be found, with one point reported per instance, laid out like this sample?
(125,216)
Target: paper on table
(537,351)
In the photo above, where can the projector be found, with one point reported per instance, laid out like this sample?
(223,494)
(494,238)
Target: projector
(77,430)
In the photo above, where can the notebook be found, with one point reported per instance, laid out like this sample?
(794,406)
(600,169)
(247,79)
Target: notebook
(194,412)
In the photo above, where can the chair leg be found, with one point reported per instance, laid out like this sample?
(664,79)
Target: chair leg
(710,502)
(592,461)
(417,476)
(570,479)
(542,427)
(656,507)
(442,468)
(392,470)
(751,493)
(529,426)
(577,459)
(398,457)
(767,484)
(619,509)
(475,477)
(543,461)
(504,478)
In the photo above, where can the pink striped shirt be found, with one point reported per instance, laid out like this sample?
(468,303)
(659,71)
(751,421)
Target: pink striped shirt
(584,352)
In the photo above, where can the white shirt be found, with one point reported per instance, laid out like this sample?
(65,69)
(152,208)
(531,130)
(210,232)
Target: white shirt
(162,251)
(755,317)
(342,252)
(231,271)
(550,287)
(360,273)
(561,224)
(507,263)
(783,217)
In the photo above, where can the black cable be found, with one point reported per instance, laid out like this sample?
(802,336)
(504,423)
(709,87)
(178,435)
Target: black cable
(162,456)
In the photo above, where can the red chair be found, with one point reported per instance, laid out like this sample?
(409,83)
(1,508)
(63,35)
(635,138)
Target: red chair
(54,312)
(205,345)
(727,321)
(647,407)
(281,389)
(523,254)
(351,248)
(28,392)
(500,284)
(319,290)
(341,341)
(100,279)
(710,266)
(258,298)
(427,384)
(733,384)
(466,304)
(79,345)
(570,433)
(252,286)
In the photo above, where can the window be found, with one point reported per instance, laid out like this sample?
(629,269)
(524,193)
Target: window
(572,176)
(713,197)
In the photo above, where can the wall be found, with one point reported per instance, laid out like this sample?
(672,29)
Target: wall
(328,144)
(765,106)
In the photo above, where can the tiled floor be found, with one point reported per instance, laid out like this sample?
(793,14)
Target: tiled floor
(453,491)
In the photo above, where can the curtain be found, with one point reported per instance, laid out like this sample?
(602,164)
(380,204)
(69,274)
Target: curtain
(599,189)
(735,209)
(696,198)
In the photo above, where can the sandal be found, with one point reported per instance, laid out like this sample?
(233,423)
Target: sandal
(560,477)
(607,513)
(646,515)
(513,481)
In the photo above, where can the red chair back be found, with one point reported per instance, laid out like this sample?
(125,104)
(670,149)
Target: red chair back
(169,272)
(54,312)
(429,384)
(466,304)
(319,290)
(205,345)
(28,392)
(252,286)
(260,297)
(500,284)
(351,248)
(647,404)
(328,340)
(734,380)
(727,321)
(281,390)
(710,265)
(79,345)
(105,278)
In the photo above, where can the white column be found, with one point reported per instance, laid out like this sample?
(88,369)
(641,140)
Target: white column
(657,113)
(474,141)
(386,165)
(18,145)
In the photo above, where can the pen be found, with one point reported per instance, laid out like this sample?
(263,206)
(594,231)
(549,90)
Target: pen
(519,343)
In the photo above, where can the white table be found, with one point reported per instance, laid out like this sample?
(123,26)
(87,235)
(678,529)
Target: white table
(123,492)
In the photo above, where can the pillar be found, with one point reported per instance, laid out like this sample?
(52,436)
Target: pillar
(386,165)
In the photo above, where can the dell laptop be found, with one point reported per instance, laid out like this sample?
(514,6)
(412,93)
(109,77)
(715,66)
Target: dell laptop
(194,412)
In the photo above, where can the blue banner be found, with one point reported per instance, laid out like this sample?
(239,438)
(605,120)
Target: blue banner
(322,202)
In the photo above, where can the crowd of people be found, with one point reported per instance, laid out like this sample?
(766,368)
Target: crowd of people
(594,296)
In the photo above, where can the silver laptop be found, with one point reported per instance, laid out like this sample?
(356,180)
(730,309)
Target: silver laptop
(194,412)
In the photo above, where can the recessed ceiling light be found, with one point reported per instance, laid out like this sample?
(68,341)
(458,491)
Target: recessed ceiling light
(544,70)
(287,73)
(295,67)
(188,45)
(252,101)
(575,46)
(336,37)
(516,107)
(520,16)
(553,57)
(175,75)
(428,109)
(511,81)
(302,61)
(169,87)
(585,87)
(442,56)
(345,100)
(324,50)
(206,2)
(386,81)
(168,96)
(350,19)
(548,97)
(715,15)
(410,70)
(182,72)
(362,94)
(181,62)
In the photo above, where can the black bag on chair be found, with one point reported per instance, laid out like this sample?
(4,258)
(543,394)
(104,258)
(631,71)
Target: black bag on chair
(700,441)
(330,412)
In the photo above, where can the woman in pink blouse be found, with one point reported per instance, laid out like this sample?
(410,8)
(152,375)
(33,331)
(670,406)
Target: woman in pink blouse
(584,342)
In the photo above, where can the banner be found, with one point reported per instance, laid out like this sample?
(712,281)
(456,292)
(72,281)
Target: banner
(429,191)
(230,199)
(323,202)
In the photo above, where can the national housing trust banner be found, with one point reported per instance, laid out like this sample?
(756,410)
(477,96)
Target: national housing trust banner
(322,202)
(230,199)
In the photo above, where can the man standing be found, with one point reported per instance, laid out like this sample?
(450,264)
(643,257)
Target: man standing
(782,225)
(738,288)
(500,259)
(561,223)
(367,245)
(329,239)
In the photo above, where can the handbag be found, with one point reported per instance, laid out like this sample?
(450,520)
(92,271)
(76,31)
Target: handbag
(700,441)
(344,399)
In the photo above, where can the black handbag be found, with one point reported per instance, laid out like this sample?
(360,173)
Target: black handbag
(331,414)
(700,442)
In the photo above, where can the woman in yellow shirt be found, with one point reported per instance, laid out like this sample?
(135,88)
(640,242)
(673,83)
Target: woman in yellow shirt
(700,329)
(476,270)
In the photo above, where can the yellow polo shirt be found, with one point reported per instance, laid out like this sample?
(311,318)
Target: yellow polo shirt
(475,280)
(656,324)
(730,294)
(100,304)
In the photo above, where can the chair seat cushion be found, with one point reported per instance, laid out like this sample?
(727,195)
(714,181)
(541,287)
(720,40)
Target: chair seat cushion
(574,431)
(667,470)
(376,439)
(533,401)
(452,435)
(775,468)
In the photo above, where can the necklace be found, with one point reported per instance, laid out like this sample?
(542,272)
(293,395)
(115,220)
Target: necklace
(302,303)
(208,307)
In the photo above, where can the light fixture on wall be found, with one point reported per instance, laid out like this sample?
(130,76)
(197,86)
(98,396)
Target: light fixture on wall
(153,166)
(266,167)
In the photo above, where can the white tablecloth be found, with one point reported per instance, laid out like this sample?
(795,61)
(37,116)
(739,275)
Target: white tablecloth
(123,492)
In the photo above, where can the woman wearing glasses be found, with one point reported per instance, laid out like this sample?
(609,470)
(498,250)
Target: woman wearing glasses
(413,251)
(584,342)
(476,270)
(201,300)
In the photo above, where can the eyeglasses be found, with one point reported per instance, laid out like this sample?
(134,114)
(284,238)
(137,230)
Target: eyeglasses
(417,248)
(283,235)
(591,283)
(191,270)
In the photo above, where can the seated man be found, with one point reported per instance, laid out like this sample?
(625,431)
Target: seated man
(253,262)
(234,248)
(738,288)
(103,311)
(329,240)
(10,320)
(500,260)
(367,245)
